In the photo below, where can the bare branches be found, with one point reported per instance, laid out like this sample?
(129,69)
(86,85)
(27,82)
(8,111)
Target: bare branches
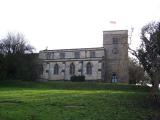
(15,62)
(15,44)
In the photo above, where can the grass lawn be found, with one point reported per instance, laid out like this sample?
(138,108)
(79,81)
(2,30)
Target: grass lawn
(74,101)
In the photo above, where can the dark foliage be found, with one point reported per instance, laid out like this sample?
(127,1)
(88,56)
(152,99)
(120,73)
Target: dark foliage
(137,73)
(17,60)
(80,78)
(148,55)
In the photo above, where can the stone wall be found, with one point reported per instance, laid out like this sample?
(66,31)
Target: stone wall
(116,46)
(70,58)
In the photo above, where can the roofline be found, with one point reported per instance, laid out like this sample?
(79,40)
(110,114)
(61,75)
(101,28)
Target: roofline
(114,30)
(75,49)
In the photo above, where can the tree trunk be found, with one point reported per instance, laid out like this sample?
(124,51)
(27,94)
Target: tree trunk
(155,89)
(155,85)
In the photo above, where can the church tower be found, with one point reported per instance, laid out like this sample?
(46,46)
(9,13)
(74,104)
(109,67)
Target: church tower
(115,44)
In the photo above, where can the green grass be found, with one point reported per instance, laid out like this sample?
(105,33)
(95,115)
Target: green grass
(22,100)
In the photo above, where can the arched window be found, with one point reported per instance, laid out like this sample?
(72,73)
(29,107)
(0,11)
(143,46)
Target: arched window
(89,68)
(56,69)
(72,69)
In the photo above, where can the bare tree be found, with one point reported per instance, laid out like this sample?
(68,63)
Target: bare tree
(17,58)
(15,43)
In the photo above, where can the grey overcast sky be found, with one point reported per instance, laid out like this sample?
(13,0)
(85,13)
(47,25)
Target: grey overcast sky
(61,24)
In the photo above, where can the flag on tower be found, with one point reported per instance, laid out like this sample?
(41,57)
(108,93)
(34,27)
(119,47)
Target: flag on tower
(112,22)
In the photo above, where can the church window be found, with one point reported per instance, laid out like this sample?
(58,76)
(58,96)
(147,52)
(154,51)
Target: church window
(48,55)
(92,54)
(62,55)
(56,69)
(77,55)
(72,69)
(52,55)
(115,40)
(89,68)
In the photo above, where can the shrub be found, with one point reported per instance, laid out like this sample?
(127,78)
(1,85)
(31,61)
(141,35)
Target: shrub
(79,78)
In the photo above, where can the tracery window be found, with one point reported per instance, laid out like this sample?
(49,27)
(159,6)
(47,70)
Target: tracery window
(115,40)
(52,55)
(72,69)
(89,68)
(56,69)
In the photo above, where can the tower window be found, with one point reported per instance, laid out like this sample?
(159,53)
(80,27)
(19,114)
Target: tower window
(115,40)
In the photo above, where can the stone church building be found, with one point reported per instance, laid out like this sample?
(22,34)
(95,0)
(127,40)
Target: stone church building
(108,63)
